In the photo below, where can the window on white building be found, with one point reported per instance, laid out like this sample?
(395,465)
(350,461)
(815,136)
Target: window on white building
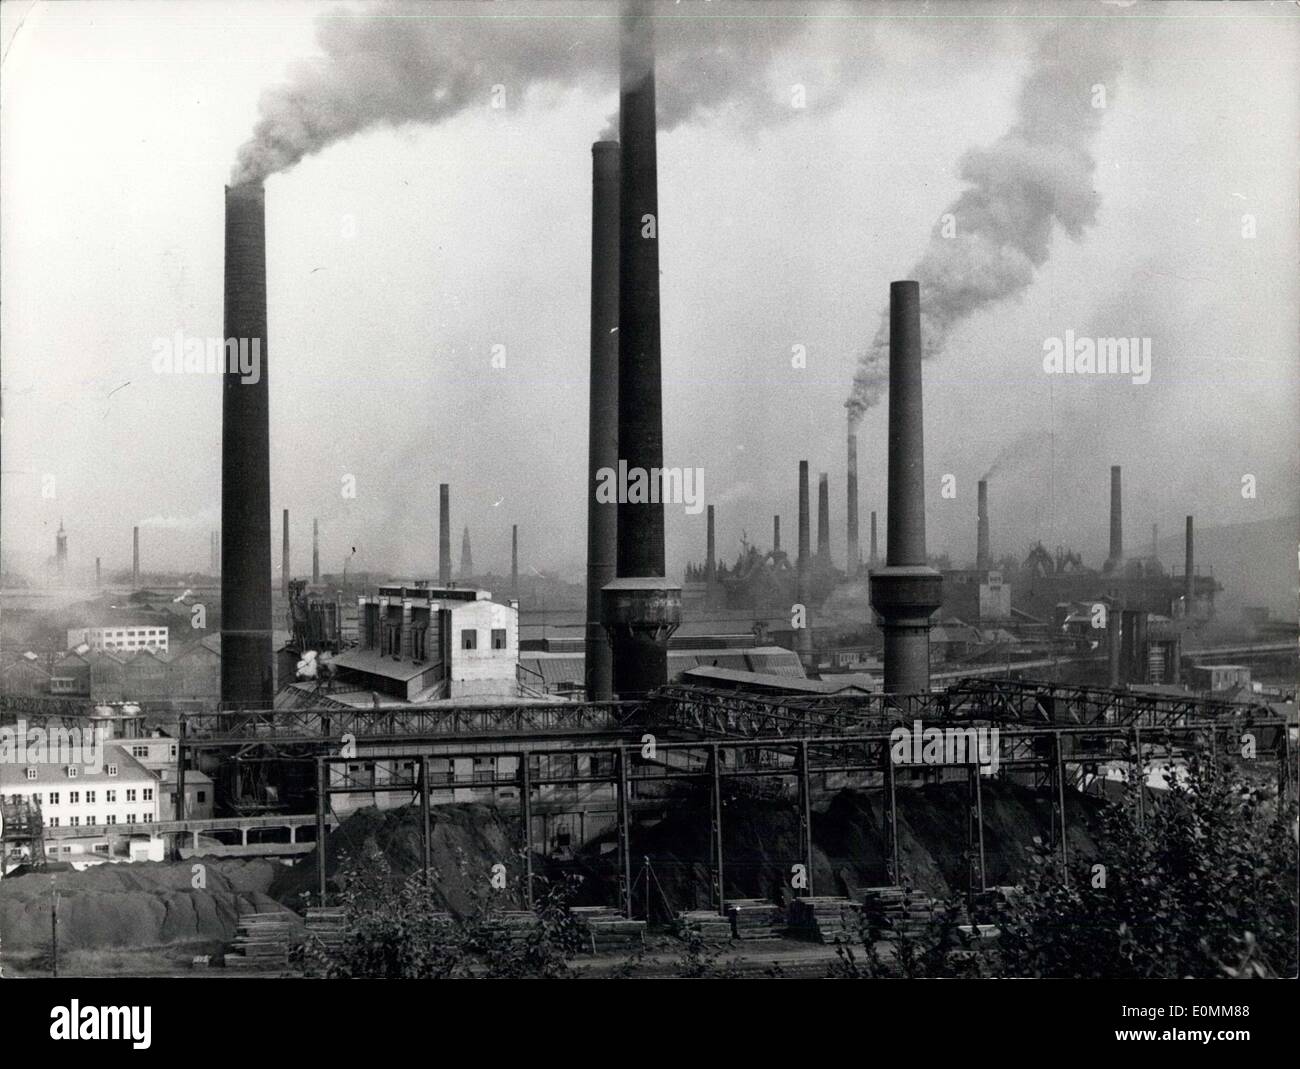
(110,796)
(53,822)
(54,797)
(498,638)
(469,639)
(148,794)
(130,818)
(111,818)
(74,797)
(130,794)
(72,772)
(112,770)
(90,798)
(31,773)
(76,822)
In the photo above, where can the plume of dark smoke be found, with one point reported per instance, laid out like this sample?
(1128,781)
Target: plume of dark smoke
(400,63)
(1035,178)
(1022,450)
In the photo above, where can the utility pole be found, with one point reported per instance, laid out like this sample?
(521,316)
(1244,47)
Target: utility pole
(54,926)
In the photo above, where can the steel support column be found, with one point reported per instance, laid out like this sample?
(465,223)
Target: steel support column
(526,815)
(890,829)
(180,772)
(976,880)
(426,839)
(624,835)
(1059,758)
(1140,776)
(805,817)
(715,821)
(322,800)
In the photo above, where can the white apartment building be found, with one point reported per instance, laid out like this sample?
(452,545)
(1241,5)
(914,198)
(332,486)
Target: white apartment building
(120,639)
(114,804)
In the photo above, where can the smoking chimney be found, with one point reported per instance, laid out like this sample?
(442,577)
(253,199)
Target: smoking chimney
(875,556)
(823,520)
(444,534)
(1116,521)
(284,553)
(514,561)
(315,552)
(641,609)
(246,658)
(135,558)
(803,637)
(776,535)
(906,591)
(466,557)
(982,562)
(854,562)
(602,419)
(1189,575)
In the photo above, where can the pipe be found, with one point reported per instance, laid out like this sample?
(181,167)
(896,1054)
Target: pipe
(803,637)
(315,552)
(1116,521)
(906,592)
(246,657)
(640,608)
(982,533)
(444,534)
(284,554)
(602,420)
(854,552)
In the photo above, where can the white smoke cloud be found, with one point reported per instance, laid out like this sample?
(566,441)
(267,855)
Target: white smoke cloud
(399,63)
(1035,179)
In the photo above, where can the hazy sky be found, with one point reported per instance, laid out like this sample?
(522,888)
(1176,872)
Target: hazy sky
(397,259)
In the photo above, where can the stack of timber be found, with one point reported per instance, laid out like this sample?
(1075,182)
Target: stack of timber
(710,925)
(514,923)
(606,929)
(262,941)
(824,919)
(756,918)
(892,911)
(326,925)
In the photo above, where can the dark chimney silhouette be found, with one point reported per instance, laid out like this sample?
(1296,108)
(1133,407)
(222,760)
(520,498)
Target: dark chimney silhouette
(854,561)
(803,565)
(444,534)
(982,558)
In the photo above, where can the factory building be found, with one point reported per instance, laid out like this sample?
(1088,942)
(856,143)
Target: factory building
(126,639)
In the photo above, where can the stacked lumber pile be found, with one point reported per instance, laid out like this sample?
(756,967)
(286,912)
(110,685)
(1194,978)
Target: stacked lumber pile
(326,924)
(756,918)
(710,925)
(514,923)
(894,910)
(605,929)
(262,941)
(824,918)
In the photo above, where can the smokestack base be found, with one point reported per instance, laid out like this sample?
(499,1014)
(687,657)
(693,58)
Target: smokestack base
(639,615)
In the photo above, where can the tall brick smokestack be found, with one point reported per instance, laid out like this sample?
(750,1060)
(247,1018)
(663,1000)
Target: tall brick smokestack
(982,559)
(284,553)
(803,565)
(875,554)
(854,551)
(776,534)
(466,556)
(1189,573)
(640,608)
(514,561)
(906,592)
(246,658)
(823,520)
(602,419)
(135,558)
(710,557)
(444,534)
(315,551)
(1116,521)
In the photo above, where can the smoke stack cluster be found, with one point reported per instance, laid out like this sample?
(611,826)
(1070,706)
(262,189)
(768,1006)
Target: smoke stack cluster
(246,658)
(640,608)
(602,424)
(854,562)
(1116,556)
(444,534)
(906,592)
(982,560)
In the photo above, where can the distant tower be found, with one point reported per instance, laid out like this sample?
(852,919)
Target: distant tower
(61,551)
(135,558)
(315,552)
(97,572)
(466,558)
(514,561)
(823,520)
(284,554)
